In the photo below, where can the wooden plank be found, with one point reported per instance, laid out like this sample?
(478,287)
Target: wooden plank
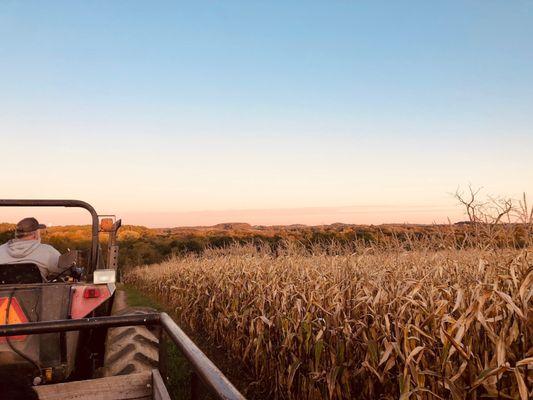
(122,387)
(160,391)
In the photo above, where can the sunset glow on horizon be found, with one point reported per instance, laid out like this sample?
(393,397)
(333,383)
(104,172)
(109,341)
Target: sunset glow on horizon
(358,215)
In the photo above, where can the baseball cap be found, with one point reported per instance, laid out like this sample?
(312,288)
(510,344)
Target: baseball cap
(28,225)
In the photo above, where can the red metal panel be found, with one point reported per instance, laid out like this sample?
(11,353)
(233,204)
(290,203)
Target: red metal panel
(82,306)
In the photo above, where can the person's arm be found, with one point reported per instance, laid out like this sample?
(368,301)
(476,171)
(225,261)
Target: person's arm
(53,262)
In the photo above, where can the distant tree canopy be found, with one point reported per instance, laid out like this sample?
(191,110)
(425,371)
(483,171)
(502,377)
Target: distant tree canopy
(141,245)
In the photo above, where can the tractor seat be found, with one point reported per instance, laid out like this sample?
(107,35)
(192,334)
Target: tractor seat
(23,273)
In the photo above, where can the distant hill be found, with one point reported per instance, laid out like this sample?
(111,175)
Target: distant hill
(233,226)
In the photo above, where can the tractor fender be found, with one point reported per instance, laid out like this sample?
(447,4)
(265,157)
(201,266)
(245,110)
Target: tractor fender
(86,298)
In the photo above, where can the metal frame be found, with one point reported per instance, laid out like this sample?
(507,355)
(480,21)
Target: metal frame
(212,377)
(93,262)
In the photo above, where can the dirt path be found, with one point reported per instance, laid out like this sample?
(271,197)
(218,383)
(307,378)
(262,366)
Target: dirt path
(120,301)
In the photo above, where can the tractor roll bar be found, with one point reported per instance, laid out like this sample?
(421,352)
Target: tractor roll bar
(93,261)
(213,378)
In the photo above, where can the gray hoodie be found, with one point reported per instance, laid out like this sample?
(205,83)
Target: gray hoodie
(31,251)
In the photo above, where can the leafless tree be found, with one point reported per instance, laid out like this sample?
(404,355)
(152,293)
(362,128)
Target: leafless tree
(496,218)
(470,202)
(497,210)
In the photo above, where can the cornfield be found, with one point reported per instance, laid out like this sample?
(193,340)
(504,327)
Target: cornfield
(338,324)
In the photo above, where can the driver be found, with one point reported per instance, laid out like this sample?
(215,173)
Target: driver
(27,248)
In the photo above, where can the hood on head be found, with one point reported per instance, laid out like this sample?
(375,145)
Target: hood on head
(21,248)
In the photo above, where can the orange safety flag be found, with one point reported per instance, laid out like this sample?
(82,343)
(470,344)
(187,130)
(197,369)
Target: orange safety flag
(16,316)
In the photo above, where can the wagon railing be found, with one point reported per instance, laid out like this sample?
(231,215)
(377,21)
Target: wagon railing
(203,368)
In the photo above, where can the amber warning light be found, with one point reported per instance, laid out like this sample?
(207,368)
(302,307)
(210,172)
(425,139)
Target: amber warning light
(15,316)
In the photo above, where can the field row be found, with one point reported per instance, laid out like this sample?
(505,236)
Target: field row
(391,324)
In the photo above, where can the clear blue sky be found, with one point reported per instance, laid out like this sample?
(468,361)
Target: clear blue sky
(278,107)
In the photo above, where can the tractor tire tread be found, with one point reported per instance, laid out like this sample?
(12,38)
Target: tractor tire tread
(130,349)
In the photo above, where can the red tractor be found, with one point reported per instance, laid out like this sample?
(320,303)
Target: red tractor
(61,335)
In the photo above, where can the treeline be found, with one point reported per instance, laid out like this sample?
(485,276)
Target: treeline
(141,245)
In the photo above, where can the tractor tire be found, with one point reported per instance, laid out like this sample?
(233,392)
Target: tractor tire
(130,349)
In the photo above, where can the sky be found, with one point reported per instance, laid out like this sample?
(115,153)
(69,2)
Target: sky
(194,113)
